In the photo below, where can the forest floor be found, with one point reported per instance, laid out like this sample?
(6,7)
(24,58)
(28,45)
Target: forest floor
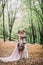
(35,53)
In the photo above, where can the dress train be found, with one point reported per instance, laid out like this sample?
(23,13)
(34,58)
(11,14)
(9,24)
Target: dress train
(15,56)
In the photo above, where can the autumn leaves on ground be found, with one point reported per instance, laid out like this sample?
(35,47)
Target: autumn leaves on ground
(35,53)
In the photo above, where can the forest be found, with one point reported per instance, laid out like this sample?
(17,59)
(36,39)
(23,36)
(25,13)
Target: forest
(24,15)
(21,14)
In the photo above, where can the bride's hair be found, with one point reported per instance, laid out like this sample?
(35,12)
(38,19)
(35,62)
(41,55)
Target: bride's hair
(21,32)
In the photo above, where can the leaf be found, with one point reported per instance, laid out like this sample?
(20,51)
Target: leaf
(41,5)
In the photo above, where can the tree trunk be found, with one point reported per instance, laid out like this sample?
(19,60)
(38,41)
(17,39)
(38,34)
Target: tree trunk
(10,36)
(3,22)
(32,27)
(41,32)
(41,36)
(33,33)
(42,7)
(10,32)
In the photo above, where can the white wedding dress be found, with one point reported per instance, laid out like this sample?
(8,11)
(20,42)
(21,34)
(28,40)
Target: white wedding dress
(15,56)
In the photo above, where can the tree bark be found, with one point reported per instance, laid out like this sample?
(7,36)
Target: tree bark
(41,32)
(3,22)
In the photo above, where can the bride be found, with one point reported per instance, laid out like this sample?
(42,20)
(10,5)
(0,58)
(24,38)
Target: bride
(20,50)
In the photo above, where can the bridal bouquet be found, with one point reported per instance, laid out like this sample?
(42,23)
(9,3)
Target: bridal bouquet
(20,47)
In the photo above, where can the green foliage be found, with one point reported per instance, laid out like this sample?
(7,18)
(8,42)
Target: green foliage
(31,20)
(41,5)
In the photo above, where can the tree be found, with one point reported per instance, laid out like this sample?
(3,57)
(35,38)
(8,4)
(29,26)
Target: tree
(41,32)
(3,5)
(12,16)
